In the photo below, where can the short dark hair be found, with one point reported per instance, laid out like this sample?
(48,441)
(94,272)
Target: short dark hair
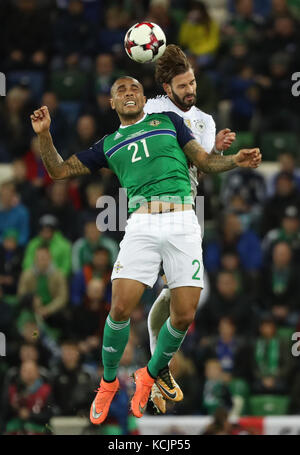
(172,63)
(123,77)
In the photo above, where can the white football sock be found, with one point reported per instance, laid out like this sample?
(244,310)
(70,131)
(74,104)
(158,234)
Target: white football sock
(159,313)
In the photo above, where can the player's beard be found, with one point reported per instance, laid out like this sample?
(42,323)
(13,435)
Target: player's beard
(184,105)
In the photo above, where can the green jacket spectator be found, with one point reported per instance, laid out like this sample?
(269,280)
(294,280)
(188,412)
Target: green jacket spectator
(59,247)
(83,249)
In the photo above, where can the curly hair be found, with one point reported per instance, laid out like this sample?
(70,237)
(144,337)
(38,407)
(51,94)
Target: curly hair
(172,63)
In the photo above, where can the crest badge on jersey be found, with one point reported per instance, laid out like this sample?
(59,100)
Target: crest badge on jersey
(199,125)
(155,122)
(118,267)
(188,123)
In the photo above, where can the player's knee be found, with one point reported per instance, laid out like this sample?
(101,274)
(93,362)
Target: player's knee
(183,321)
(119,310)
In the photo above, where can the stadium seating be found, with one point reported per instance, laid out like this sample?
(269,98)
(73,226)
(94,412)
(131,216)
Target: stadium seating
(273,143)
(268,405)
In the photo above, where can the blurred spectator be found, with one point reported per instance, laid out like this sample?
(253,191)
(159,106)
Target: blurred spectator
(287,163)
(13,214)
(105,73)
(85,135)
(286,194)
(238,56)
(69,85)
(28,332)
(246,183)
(98,268)
(88,319)
(83,248)
(199,34)
(271,361)
(230,262)
(36,172)
(59,246)
(72,33)
(27,408)
(11,256)
(29,351)
(279,289)
(244,22)
(243,93)
(112,33)
(106,119)
(284,37)
(27,34)
(228,347)
(30,195)
(71,381)
(59,124)
(92,192)
(225,302)
(289,231)
(14,122)
(45,288)
(215,392)
(58,204)
(246,243)
(274,88)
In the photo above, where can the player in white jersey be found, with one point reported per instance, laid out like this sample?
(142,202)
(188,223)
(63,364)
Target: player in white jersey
(175,74)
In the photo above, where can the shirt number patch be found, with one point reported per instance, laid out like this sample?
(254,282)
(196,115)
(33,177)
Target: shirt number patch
(135,146)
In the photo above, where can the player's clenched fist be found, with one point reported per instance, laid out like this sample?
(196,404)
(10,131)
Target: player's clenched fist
(248,158)
(40,120)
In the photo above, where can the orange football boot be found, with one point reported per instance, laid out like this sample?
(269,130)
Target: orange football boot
(144,383)
(104,397)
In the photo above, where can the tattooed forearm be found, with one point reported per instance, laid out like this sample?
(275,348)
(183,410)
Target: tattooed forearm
(208,163)
(56,167)
(51,158)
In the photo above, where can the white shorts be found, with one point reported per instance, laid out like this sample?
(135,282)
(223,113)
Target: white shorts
(172,239)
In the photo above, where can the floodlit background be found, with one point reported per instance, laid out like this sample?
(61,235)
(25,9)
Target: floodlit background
(237,358)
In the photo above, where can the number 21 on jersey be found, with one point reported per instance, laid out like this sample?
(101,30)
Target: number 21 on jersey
(136,156)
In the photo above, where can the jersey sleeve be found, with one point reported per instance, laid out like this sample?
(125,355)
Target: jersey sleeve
(184,134)
(94,158)
(210,136)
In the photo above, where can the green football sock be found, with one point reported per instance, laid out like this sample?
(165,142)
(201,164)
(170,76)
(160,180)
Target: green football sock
(115,338)
(168,342)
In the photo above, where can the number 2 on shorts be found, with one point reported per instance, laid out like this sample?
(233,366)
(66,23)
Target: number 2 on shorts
(195,277)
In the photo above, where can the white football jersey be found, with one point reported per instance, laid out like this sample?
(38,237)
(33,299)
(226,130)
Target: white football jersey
(201,124)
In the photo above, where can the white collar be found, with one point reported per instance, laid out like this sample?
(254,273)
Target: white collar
(139,121)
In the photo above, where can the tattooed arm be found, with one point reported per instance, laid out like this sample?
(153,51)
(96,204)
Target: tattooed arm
(57,168)
(212,163)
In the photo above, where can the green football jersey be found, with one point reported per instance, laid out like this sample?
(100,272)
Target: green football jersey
(147,158)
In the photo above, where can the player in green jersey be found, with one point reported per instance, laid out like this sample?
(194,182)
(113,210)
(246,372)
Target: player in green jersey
(151,158)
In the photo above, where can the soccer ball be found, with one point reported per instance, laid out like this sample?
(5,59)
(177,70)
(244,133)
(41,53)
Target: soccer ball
(145,42)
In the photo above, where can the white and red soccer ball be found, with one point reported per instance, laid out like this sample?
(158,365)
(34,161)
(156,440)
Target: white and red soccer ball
(145,42)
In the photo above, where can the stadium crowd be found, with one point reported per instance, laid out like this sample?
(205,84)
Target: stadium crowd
(55,265)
